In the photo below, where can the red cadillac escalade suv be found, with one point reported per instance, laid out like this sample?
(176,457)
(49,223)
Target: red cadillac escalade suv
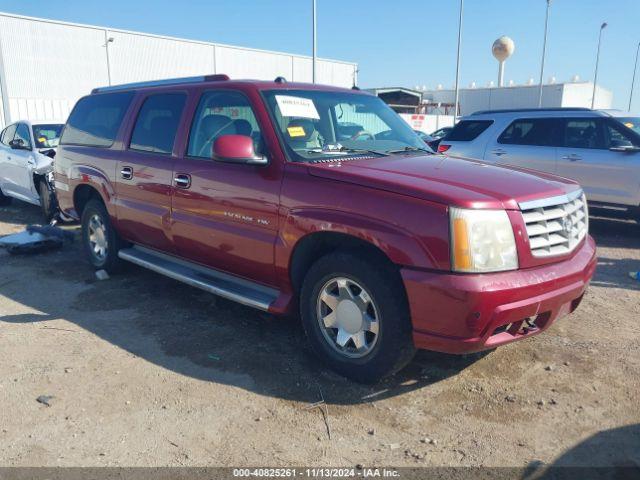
(296,198)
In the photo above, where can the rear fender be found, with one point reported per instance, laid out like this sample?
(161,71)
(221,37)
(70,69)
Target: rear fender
(97,179)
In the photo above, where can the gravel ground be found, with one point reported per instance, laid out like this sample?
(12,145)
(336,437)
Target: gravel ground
(145,371)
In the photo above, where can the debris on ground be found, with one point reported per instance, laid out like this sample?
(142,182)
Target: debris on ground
(322,405)
(52,231)
(45,399)
(102,275)
(36,239)
(26,242)
(635,275)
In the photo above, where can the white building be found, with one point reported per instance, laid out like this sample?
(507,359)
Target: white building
(46,65)
(574,94)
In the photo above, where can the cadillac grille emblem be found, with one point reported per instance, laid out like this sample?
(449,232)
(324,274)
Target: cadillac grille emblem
(567,225)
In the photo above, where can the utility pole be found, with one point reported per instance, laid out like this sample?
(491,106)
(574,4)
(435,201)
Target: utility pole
(595,76)
(633,80)
(455,108)
(313,76)
(544,52)
(107,41)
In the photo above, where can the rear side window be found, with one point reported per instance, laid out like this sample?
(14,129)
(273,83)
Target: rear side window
(529,131)
(468,130)
(95,120)
(157,123)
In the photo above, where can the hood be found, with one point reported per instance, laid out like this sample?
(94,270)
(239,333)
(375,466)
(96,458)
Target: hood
(450,181)
(44,163)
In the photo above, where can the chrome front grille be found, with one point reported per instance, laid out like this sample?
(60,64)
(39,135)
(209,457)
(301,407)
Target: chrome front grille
(556,225)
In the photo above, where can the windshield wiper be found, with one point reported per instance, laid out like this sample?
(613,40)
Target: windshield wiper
(332,149)
(411,149)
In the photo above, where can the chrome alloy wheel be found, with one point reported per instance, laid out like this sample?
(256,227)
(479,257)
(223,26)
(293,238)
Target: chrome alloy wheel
(348,317)
(98,237)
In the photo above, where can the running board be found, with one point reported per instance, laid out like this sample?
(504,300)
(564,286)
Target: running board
(213,281)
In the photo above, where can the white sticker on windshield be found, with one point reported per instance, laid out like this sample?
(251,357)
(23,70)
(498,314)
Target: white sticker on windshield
(297,107)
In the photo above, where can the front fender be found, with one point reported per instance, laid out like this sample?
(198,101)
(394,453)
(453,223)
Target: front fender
(400,246)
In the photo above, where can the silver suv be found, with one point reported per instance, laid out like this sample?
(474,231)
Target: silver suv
(598,148)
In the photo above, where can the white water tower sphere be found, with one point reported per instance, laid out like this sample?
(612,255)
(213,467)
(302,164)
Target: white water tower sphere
(502,49)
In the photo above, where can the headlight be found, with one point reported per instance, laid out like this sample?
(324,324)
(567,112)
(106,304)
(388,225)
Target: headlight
(482,241)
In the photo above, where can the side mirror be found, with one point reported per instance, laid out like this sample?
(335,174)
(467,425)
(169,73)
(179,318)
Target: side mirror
(236,149)
(622,146)
(17,144)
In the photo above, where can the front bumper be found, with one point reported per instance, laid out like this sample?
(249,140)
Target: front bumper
(460,313)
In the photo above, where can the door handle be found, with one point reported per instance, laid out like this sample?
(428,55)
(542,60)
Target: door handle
(126,173)
(499,152)
(182,180)
(572,158)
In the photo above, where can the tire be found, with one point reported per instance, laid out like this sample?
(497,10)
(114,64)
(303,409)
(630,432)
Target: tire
(337,277)
(102,249)
(47,201)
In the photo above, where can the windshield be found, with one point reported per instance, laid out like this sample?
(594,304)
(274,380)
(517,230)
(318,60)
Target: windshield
(630,122)
(47,136)
(319,124)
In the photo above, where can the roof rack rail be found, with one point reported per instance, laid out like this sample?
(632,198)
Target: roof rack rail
(159,83)
(509,110)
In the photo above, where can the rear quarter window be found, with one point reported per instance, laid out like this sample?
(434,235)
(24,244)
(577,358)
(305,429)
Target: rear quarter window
(468,130)
(96,119)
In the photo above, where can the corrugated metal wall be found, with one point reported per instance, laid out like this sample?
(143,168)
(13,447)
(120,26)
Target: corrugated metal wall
(47,65)
(576,94)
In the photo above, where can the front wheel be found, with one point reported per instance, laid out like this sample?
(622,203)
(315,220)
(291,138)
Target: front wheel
(356,317)
(47,201)
(101,241)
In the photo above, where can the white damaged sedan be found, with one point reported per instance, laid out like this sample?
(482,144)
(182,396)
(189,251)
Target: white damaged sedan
(27,149)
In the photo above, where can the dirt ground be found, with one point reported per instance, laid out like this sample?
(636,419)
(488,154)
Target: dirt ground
(145,371)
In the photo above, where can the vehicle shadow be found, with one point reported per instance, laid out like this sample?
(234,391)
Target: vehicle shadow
(611,454)
(20,213)
(194,333)
(614,229)
(614,272)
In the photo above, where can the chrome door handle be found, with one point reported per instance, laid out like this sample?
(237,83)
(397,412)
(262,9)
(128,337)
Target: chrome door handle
(572,158)
(499,152)
(126,173)
(182,180)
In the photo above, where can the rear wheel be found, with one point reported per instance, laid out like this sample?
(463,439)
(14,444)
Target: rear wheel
(101,241)
(356,317)
(47,200)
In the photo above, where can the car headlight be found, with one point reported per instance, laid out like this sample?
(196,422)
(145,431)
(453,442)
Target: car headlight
(482,241)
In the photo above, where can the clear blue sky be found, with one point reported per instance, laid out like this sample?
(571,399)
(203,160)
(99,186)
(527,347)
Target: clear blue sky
(395,42)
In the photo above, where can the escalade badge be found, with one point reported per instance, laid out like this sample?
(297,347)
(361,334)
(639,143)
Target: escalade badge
(567,225)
